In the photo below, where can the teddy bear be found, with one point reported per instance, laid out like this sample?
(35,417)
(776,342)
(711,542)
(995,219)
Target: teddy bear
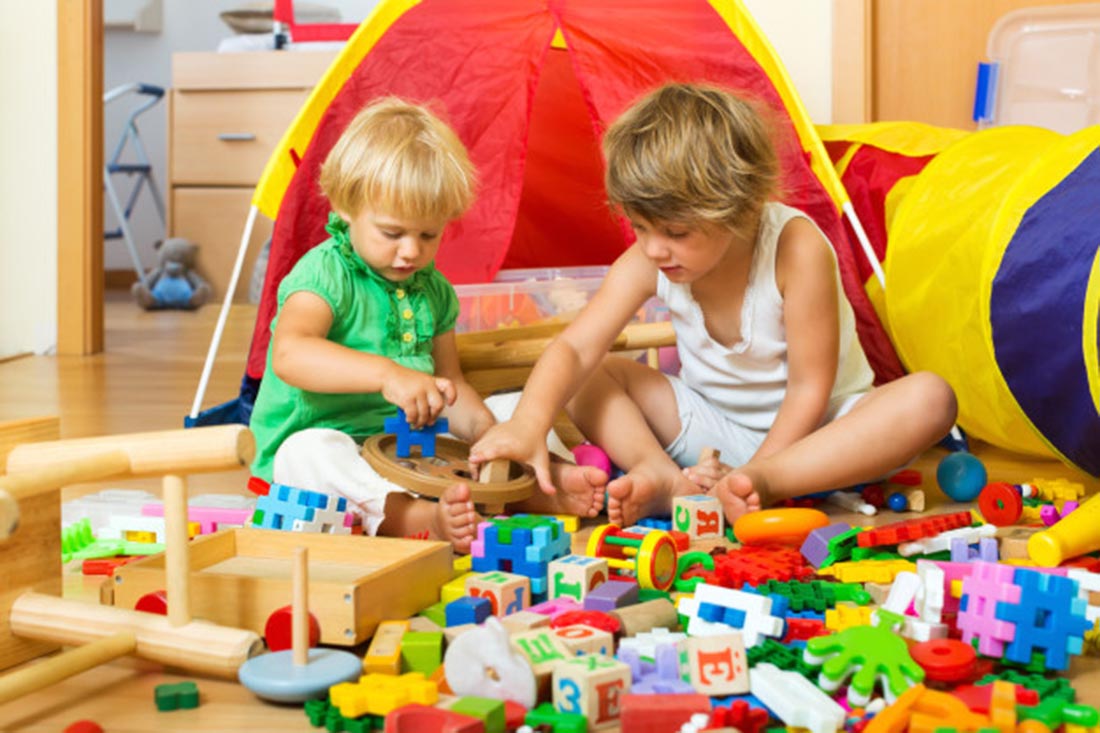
(173,283)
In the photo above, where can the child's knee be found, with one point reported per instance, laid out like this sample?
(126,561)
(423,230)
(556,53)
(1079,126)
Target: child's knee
(936,399)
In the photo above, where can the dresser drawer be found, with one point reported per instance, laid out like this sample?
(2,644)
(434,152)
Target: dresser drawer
(224,138)
(214,219)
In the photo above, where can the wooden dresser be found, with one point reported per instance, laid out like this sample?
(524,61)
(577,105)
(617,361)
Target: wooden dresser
(227,112)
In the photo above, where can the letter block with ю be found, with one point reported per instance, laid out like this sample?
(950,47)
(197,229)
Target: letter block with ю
(507,592)
(700,516)
(582,639)
(575,576)
(593,686)
(718,665)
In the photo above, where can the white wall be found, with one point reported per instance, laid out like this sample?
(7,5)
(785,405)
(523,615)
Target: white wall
(802,34)
(28,177)
(130,56)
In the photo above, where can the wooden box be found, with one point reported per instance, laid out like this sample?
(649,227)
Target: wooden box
(240,576)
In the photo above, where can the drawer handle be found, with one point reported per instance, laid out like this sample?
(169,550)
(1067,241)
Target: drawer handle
(234,137)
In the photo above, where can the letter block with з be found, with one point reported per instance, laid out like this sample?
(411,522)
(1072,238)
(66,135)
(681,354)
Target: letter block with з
(507,592)
(575,576)
(593,686)
(718,665)
(582,639)
(700,516)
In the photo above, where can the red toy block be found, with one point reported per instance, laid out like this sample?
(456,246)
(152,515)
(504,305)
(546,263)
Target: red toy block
(979,697)
(416,718)
(906,477)
(756,564)
(912,529)
(596,619)
(258,486)
(155,602)
(105,565)
(801,629)
(659,713)
(741,716)
(514,714)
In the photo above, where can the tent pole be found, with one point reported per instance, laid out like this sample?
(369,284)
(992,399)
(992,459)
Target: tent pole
(208,366)
(864,243)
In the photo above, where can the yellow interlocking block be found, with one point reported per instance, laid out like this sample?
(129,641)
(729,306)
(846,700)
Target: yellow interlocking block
(868,571)
(378,694)
(846,615)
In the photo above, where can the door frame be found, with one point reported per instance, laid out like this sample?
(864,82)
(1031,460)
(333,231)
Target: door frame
(79,177)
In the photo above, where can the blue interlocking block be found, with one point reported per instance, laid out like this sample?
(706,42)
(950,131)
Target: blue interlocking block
(523,544)
(468,610)
(1049,618)
(282,505)
(407,437)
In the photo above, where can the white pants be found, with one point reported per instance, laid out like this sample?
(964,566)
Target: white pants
(328,461)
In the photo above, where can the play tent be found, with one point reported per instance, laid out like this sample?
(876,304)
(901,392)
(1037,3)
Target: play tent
(529,85)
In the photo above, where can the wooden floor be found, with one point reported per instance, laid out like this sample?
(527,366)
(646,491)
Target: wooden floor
(146,381)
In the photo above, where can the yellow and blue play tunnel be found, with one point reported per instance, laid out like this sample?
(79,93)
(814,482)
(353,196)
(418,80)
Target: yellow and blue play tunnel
(993,281)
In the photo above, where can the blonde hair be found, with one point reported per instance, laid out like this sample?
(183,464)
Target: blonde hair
(399,158)
(691,152)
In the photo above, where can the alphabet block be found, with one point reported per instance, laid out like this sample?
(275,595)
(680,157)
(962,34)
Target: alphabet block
(506,592)
(583,639)
(591,685)
(717,664)
(575,576)
(700,516)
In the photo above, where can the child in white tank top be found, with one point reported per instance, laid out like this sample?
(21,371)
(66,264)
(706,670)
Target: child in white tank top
(773,374)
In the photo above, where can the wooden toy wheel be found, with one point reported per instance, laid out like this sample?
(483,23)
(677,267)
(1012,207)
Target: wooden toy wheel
(656,561)
(432,475)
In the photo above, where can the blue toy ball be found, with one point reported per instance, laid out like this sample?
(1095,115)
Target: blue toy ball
(961,476)
(897,502)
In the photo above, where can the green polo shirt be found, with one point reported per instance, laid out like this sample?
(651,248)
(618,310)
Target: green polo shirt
(369,314)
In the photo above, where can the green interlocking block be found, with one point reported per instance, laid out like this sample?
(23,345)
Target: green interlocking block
(545,714)
(652,594)
(787,658)
(176,696)
(421,651)
(1057,687)
(488,710)
(323,714)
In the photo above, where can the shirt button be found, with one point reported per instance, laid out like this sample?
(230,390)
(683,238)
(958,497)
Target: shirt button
(407,337)
(407,314)
(400,293)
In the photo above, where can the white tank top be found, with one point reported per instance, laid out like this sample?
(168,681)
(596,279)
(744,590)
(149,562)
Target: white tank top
(749,379)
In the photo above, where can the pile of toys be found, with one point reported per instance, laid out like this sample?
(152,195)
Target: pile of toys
(934,623)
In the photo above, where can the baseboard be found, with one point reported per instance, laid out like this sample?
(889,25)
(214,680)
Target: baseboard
(118,279)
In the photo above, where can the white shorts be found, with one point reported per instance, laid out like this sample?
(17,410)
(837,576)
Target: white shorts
(706,425)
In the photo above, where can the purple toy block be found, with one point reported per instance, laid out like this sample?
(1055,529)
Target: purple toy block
(611,595)
(660,678)
(815,548)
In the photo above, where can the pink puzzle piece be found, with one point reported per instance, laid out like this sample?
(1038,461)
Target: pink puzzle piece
(988,584)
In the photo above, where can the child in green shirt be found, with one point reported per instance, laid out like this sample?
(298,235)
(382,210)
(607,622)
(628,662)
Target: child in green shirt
(366,324)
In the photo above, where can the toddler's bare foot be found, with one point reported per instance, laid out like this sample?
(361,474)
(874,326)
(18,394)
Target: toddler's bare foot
(580,492)
(455,520)
(740,493)
(645,491)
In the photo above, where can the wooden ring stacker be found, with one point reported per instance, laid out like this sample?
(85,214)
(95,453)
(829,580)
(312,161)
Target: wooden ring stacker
(501,482)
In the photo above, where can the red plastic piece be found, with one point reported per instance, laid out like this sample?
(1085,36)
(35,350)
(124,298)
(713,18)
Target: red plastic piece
(912,529)
(416,718)
(105,565)
(657,713)
(155,602)
(906,477)
(945,660)
(258,486)
(1001,504)
(874,495)
(739,715)
(801,629)
(278,630)
(756,564)
(978,697)
(84,726)
(596,619)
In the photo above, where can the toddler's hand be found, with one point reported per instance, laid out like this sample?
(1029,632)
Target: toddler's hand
(512,440)
(421,396)
(707,472)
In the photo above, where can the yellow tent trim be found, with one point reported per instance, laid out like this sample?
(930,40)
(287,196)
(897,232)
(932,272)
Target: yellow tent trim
(914,139)
(741,23)
(558,41)
(842,164)
(280,166)
(1092,311)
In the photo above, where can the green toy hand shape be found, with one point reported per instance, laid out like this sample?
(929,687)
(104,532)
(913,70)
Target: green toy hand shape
(876,651)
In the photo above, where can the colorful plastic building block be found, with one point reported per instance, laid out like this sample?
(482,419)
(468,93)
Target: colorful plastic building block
(1048,617)
(661,676)
(299,510)
(407,437)
(414,718)
(489,711)
(524,544)
(468,610)
(176,696)
(795,700)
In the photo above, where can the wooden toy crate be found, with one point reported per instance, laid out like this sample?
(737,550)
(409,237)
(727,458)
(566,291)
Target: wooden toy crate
(239,576)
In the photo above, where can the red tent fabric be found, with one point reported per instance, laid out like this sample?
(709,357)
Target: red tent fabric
(530,115)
